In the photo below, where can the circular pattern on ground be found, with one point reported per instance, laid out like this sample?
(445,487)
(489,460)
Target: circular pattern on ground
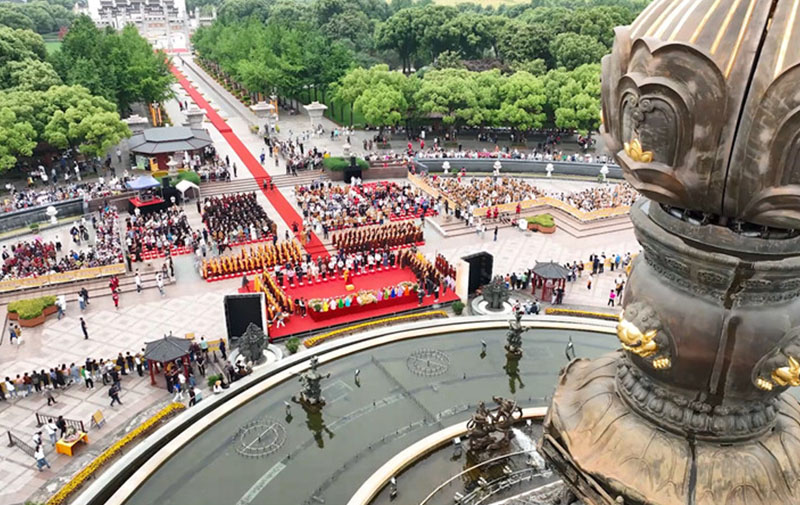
(428,362)
(260,438)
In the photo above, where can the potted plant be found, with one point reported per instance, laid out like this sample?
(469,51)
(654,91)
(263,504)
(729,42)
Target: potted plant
(458,307)
(543,223)
(292,345)
(32,312)
(212,379)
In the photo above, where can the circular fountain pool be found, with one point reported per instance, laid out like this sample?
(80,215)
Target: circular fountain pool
(407,390)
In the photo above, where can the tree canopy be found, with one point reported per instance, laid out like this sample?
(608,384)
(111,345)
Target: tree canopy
(120,66)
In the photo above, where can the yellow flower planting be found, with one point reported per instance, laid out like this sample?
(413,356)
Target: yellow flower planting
(552,311)
(310,342)
(75,483)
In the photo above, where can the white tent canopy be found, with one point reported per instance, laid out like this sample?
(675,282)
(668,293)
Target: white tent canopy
(184,186)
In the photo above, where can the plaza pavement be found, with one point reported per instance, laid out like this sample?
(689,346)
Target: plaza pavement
(192,305)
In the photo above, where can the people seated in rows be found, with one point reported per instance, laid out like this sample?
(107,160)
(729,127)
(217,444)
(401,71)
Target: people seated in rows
(327,207)
(236,218)
(385,236)
(256,257)
(476,192)
(159,231)
(37,257)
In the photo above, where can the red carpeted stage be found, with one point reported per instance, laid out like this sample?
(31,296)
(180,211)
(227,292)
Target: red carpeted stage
(146,206)
(336,288)
(282,206)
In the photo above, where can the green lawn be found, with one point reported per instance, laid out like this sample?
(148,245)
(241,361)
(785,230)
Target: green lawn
(51,42)
(52,46)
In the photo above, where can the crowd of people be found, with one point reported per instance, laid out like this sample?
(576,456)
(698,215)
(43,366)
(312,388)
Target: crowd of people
(159,231)
(471,193)
(379,237)
(235,219)
(539,154)
(18,199)
(253,258)
(327,207)
(36,257)
(433,278)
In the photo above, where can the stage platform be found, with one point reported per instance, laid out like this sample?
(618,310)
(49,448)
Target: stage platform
(331,288)
(147,206)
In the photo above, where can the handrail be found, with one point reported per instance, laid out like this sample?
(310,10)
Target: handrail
(458,475)
(14,440)
(45,418)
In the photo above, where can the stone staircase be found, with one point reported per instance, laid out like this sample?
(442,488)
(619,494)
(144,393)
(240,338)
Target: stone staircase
(249,184)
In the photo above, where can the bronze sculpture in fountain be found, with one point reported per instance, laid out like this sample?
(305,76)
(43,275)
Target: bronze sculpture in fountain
(514,336)
(701,111)
(489,431)
(311,395)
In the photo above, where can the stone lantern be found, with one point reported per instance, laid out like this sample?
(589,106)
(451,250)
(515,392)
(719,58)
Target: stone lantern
(51,213)
(604,171)
(136,123)
(194,117)
(315,111)
(446,167)
(263,112)
(172,167)
(549,169)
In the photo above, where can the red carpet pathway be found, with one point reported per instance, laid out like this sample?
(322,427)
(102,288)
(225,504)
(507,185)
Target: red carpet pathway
(284,208)
(327,289)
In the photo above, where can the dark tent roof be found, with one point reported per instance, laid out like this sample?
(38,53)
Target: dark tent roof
(167,349)
(550,270)
(169,140)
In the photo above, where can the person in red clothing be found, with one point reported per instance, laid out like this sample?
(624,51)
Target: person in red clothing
(519,209)
(115,297)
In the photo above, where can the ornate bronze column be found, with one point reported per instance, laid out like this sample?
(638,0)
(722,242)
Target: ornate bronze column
(701,107)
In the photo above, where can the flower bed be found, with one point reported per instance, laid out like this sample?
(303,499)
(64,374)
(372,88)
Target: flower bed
(552,311)
(367,299)
(311,342)
(89,470)
(33,311)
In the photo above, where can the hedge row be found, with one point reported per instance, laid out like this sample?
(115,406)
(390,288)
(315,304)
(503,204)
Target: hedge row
(339,163)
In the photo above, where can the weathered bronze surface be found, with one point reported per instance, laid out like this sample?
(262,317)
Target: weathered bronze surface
(704,92)
(701,107)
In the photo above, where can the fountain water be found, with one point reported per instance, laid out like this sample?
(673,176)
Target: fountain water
(529,446)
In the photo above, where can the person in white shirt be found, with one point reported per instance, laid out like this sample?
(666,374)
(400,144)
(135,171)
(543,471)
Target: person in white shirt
(38,455)
(51,430)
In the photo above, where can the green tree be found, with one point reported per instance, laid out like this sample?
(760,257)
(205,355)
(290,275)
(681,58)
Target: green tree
(470,34)
(16,138)
(451,94)
(31,75)
(398,33)
(13,18)
(62,116)
(522,98)
(573,98)
(120,66)
(382,105)
(448,59)
(571,50)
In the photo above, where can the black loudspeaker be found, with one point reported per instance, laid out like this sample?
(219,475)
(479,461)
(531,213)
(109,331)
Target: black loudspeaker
(352,170)
(240,311)
(480,270)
